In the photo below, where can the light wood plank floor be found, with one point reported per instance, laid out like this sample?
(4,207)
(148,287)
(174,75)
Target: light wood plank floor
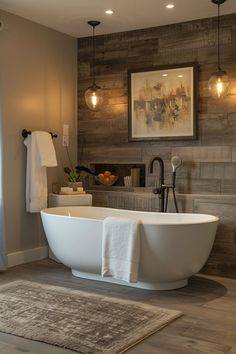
(208,303)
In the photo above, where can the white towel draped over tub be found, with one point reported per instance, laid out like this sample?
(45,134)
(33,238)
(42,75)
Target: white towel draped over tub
(40,155)
(121,249)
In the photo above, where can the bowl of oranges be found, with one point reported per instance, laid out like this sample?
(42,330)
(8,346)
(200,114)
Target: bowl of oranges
(106,178)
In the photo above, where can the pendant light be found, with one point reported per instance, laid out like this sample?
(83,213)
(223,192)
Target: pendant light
(94,94)
(218,83)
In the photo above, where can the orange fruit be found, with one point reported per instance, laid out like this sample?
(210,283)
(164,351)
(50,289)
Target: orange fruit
(107,174)
(112,178)
(106,180)
(101,176)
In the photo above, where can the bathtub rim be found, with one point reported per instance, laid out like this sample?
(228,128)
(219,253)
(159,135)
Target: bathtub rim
(212,218)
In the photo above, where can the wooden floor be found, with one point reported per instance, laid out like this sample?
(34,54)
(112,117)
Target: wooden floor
(208,303)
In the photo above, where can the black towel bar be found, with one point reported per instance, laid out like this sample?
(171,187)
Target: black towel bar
(26,132)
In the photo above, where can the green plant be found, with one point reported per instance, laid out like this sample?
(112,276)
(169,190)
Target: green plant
(73,176)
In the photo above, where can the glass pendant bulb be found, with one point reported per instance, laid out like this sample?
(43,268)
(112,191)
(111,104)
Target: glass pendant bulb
(94,94)
(94,97)
(218,84)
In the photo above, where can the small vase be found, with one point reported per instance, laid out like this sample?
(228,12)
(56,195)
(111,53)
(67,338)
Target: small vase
(74,185)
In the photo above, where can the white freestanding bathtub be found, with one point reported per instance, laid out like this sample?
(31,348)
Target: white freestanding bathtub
(173,246)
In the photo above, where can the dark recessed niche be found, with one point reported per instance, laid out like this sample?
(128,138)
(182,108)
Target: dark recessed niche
(120,170)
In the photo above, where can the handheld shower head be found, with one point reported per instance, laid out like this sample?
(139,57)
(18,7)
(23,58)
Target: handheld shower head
(176,162)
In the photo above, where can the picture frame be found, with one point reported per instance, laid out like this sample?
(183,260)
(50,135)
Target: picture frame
(162,103)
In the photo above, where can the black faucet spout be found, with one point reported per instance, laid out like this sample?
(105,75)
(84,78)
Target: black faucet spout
(160,190)
(161,165)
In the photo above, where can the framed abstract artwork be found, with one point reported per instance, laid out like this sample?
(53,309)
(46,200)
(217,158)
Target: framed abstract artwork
(163,103)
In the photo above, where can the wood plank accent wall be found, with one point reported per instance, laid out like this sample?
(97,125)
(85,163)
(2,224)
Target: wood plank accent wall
(207,180)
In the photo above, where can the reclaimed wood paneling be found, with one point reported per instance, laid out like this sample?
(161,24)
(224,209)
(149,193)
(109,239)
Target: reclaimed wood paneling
(208,162)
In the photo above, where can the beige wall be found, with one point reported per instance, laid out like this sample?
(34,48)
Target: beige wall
(38,85)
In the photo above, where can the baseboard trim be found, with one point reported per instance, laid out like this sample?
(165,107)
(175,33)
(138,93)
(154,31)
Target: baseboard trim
(26,256)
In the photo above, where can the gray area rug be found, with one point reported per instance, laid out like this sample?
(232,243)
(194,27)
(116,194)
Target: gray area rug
(83,322)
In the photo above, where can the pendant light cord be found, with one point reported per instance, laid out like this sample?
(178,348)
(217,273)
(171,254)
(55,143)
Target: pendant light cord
(218,35)
(93,61)
(93,24)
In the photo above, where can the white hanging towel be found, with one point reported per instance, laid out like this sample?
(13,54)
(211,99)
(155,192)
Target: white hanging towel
(40,155)
(121,249)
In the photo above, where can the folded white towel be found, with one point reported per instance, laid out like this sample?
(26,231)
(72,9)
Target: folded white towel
(39,145)
(47,154)
(121,249)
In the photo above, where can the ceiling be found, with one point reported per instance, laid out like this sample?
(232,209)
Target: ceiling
(71,16)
